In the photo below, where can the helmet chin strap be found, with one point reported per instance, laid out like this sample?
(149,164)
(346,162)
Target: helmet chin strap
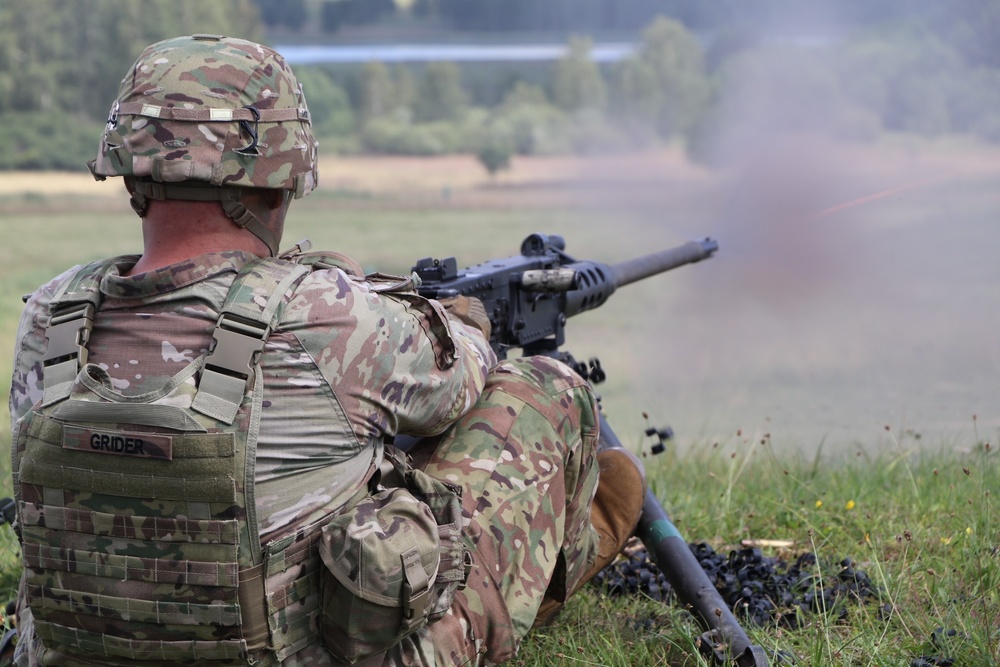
(245,218)
(229,198)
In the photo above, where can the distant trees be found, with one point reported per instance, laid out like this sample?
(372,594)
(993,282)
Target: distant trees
(571,16)
(291,14)
(70,55)
(494,152)
(335,14)
(936,72)
(676,62)
(406,114)
(439,94)
(577,83)
(61,62)
(378,94)
(332,113)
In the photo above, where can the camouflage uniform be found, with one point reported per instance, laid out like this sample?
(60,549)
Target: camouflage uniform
(349,364)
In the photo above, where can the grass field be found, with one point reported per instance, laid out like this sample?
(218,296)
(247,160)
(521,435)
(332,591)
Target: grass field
(830,374)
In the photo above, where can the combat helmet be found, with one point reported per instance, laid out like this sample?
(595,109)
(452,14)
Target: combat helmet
(205,117)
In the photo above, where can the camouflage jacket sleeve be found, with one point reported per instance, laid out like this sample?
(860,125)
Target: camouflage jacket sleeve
(396,361)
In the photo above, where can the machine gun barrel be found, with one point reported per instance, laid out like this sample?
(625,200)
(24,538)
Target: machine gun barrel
(593,282)
(636,269)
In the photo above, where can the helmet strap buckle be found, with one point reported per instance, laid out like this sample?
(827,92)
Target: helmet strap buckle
(245,219)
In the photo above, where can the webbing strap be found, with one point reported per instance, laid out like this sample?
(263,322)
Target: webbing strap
(229,198)
(135,568)
(130,486)
(162,191)
(416,590)
(220,394)
(212,115)
(257,292)
(252,607)
(67,334)
(296,591)
(130,609)
(295,633)
(167,416)
(240,334)
(195,651)
(83,543)
(71,319)
(245,219)
(125,526)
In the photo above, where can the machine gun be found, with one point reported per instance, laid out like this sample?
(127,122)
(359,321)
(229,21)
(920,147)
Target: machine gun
(528,298)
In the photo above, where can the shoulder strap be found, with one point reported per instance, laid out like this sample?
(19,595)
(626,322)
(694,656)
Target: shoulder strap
(71,319)
(249,312)
(302,253)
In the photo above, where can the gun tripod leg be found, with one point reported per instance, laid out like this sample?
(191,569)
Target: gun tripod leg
(723,639)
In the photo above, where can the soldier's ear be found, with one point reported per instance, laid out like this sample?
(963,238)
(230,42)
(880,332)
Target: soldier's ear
(273,199)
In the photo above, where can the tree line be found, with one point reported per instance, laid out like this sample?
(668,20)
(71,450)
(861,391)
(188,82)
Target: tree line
(716,96)
(61,62)
(971,25)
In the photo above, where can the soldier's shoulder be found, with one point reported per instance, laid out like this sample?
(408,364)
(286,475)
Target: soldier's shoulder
(39,298)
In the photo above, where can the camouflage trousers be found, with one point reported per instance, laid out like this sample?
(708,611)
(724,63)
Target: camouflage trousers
(525,459)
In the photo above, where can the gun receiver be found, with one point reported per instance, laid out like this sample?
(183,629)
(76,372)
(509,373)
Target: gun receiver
(530,296)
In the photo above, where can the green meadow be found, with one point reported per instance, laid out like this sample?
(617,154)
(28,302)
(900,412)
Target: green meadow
(830,375)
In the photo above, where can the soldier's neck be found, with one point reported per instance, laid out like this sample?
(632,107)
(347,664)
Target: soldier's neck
(175,231)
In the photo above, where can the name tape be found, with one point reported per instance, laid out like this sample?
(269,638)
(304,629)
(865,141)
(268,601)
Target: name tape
(120,443)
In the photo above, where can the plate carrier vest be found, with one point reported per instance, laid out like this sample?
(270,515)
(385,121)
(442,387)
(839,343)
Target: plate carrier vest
(136,514)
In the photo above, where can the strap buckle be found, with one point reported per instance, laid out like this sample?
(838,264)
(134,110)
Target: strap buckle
(416,590)
(237,346)
(150,189)
(67,333)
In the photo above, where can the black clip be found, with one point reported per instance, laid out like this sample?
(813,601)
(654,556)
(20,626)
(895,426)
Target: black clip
(112,117)
(251,148)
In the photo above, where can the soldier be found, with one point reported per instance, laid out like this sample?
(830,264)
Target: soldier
(202,457)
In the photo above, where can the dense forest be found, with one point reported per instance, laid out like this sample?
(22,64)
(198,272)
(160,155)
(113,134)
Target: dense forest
(709,75)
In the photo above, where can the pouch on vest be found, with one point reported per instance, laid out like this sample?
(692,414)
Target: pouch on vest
(393,564)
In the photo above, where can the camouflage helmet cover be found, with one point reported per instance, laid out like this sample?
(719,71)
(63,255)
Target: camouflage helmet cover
(220,110)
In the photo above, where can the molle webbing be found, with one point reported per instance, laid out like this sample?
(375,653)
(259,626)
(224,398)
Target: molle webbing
(201,469)
(170,575)
(137,518)
(293,603)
